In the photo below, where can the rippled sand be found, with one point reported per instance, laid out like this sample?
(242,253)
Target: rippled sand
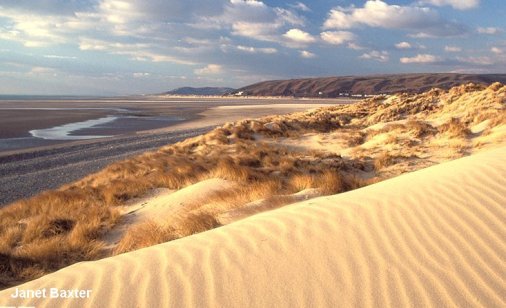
(434,237)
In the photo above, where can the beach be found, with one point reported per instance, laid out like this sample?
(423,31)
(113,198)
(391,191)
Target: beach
(27,159)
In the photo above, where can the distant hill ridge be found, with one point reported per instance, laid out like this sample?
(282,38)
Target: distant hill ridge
(200,91)
(365,85)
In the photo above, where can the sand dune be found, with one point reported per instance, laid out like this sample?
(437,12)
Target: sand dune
(269,162)
(434,237)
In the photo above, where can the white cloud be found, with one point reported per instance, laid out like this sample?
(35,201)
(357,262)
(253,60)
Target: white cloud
(155,57)
(403,45)
(481,60)
(254,20)
(60,57)
(457,4)
(299,36)
(210,69)
(421,58)
(337,37)
(129,11)
(488,30)
(255,3)
(164,23)
(288,17)
(250,49)
(377,13)
(136,51)
(177,31)
(381,56)
(355,46)
(306,54)
(34,30)
(453,49)
(338,19)
(300,6)
(496,50)
(141,75)
(47,7)
(197,41)
(95,44)
(258,31)
(42,70)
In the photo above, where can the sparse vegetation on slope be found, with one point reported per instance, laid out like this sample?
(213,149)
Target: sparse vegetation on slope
(272,160)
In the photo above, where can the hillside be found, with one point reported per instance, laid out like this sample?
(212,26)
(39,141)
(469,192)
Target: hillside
(365,85)
(199,91)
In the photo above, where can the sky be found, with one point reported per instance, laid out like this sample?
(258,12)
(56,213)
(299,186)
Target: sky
(120,47)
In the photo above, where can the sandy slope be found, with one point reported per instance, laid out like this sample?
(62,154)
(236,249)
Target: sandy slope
(163,205)
(435,237)
(221,114)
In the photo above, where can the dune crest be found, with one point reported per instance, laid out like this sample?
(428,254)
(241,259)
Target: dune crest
(434,237)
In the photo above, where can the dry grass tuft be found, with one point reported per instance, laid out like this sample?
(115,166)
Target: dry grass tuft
(300,182)
(455,128)
(53,230)
(146,234)
(227,169)
(195,223)
(356,139)
(150,233)
(385,160)
(328,182)
(331,183)
(420,129)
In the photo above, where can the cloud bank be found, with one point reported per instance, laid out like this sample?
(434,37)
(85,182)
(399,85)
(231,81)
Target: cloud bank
(137,44)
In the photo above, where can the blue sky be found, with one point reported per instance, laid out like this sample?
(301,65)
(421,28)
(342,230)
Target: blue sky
(110,47)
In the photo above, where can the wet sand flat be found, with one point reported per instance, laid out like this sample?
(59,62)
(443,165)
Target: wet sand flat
(16,123)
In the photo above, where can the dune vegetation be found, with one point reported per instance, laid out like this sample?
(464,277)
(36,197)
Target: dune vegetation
(269,162)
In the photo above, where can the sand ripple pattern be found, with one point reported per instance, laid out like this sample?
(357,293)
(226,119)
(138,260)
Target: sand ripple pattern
(433,238)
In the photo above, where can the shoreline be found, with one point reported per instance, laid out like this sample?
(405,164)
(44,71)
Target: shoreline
(17,120)
(64,162)
(23,172)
